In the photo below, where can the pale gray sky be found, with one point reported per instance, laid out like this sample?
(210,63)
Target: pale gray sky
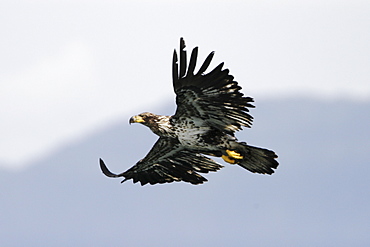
(69,67)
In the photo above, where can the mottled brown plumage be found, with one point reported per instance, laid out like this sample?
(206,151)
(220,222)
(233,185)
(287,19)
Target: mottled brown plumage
(210,109)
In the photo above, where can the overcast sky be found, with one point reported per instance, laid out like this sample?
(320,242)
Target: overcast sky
(70,67)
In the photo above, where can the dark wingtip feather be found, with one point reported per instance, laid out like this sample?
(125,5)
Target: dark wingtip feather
(182,43)
(193,61)
(183,62)
(206,63)
(106,171)
(175,69)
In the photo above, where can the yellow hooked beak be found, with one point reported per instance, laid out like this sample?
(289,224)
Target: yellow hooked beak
(136,119)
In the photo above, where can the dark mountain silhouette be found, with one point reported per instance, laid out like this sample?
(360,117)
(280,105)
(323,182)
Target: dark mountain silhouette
(319,195)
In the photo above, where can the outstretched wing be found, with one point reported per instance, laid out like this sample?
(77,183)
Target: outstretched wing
(166,162)
(214,96)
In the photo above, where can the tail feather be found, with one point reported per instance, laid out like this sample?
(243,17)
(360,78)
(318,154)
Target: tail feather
(257,160)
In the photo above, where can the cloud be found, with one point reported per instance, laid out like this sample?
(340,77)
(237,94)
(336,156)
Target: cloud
(39,102)
(70,68)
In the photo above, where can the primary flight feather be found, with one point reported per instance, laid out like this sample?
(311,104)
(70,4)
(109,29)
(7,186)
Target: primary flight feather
(210,109)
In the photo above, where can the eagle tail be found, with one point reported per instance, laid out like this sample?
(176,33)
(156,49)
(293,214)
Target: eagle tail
(254,159)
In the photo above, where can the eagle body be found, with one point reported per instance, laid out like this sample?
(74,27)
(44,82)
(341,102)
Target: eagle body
(197,135)
(210,109)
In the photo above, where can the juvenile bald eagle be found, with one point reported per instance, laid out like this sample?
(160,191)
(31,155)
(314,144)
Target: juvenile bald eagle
(210,109)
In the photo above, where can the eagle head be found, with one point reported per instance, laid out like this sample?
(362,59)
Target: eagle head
(145,118)
(159,125)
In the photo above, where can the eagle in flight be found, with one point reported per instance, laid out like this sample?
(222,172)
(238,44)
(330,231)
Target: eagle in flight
(210,109)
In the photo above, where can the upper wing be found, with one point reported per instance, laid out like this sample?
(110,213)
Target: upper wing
(166,162)
(214,96)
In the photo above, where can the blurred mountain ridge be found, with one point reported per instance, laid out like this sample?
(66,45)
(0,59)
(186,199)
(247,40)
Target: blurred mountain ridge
(318,196)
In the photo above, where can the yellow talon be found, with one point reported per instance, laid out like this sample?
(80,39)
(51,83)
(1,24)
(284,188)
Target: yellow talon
(228,159)
(234,154)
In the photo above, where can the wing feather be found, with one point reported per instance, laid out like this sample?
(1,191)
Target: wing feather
(167,162)
(183,62)
(175,70)
(215,96)
(205,65)
(193,61)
